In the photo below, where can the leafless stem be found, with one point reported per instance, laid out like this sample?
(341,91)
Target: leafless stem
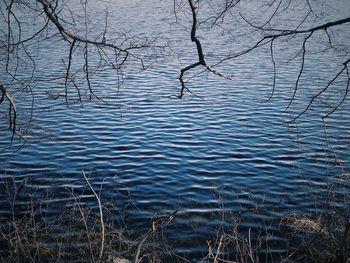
(68,70)
(12,109)
(274,72)
(301,69)
(101,216)
(323,90)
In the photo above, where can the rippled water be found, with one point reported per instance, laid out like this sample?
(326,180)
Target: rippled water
(224,149)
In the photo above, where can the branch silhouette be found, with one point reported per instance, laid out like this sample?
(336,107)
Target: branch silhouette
(201,60)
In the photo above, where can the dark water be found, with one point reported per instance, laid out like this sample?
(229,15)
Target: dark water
(223,150)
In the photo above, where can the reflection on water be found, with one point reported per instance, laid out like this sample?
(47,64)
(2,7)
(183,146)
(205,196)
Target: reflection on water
(223,150)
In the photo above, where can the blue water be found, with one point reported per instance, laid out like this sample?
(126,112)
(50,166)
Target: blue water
(224,149)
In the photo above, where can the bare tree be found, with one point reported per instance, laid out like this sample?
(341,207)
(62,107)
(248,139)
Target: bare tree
(269,25)
(66,29)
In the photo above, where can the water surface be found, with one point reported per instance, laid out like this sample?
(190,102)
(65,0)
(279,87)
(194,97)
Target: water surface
(221,150)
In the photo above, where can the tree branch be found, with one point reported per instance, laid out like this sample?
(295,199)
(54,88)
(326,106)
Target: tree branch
(12,108)
(201,60)
(345,67)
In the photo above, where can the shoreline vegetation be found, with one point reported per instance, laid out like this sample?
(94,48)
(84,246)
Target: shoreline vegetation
(89,232)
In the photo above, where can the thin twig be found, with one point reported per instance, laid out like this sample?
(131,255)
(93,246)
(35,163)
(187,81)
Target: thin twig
(101,217)
(138,251)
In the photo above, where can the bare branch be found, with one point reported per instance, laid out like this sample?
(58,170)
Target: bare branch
(323,90)
(68,70)
(201,60)
(274,72)
(301,69)
(12,108)
(343,98)
(99,52)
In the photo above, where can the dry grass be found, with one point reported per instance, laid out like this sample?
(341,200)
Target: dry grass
(85,231)
(323,237)
(318,239)
(233,247)
(88,232)
(304,224)
(30,234)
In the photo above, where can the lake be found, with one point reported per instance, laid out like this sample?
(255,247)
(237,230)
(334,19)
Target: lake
(220,154)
